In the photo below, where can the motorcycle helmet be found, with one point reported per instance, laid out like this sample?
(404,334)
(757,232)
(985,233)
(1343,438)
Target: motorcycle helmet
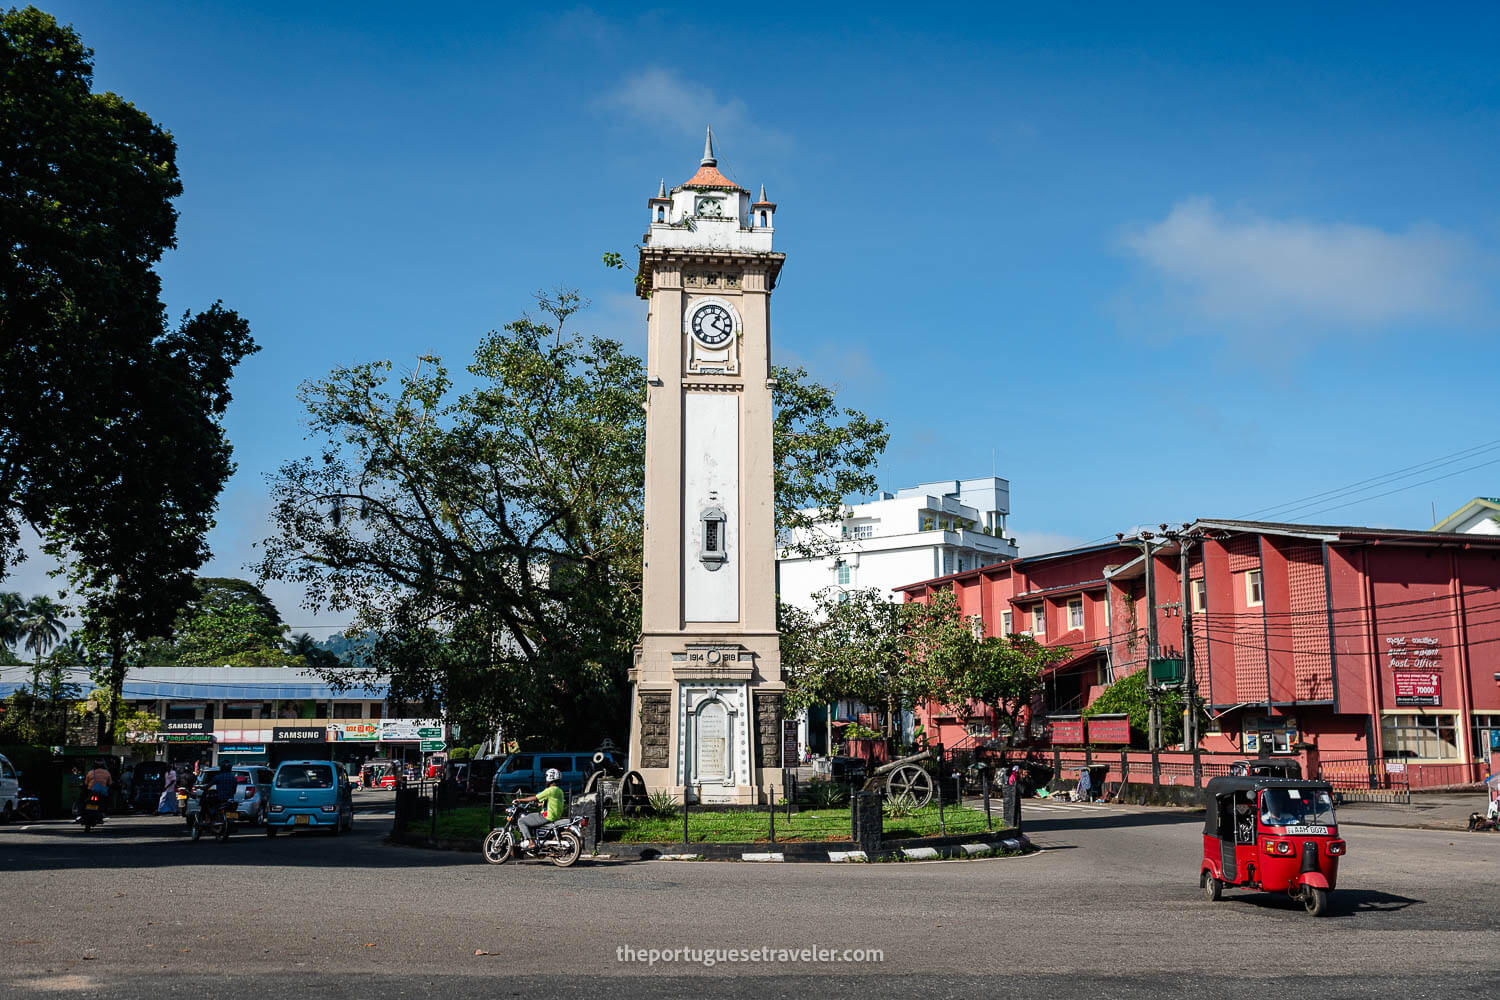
(552,774)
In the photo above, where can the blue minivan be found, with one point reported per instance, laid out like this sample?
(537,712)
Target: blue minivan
(310,794)
(524,773)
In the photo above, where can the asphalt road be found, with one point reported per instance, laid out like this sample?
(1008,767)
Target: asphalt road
(1111,909)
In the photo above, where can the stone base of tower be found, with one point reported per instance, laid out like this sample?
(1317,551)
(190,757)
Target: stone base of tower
(706,717)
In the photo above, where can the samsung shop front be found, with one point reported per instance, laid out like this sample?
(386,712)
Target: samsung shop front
(299,743)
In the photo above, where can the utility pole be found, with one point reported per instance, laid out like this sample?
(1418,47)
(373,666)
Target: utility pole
(1189,676)
(1152,694)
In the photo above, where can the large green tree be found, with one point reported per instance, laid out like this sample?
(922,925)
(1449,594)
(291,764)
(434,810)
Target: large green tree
(1005,674)
(492,538)
(228,622)
(858,644)
(110,443)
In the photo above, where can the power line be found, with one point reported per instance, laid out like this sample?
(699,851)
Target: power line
(1379,480)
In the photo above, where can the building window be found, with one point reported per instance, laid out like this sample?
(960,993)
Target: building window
(960,564)
(1005,623)
(947,563)
(347,710)
(1075,613)
(1486,736)
(240,711)
(1200,595)
(845,574)
(1254,594)
(1039,620)
(1423,737)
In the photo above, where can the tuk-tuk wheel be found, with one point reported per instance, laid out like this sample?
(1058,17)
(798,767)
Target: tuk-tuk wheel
(1315,900)
(1213,886)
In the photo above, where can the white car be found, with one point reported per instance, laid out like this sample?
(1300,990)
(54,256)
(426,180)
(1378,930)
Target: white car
(10,790)
(253,783)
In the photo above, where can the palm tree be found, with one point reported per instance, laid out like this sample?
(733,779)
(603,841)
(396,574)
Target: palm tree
(41,628)
(302,645)
(12,613)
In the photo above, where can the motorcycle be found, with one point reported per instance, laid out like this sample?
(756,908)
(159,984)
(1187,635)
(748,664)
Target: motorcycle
(560,841)
(214,819)
(91,811)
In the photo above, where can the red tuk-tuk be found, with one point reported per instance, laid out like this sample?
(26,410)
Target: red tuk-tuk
(1273,834)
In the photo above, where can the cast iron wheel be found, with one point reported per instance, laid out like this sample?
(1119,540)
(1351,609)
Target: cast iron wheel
(571,850)
(912,783)
(1213,886)
(497,847)
(633,797)
(1315,900)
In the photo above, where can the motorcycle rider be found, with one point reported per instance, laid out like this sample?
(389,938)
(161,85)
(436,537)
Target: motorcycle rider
(220,789)
(551,799)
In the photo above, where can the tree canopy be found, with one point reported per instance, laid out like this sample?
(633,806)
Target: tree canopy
(110,441)
(492,538)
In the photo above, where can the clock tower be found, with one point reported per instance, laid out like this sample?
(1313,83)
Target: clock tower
(706,684)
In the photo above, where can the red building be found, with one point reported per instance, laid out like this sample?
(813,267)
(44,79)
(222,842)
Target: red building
(1358,643)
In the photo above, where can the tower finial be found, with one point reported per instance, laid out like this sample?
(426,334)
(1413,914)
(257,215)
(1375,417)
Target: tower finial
(709,160)
(661,192)
(763,192)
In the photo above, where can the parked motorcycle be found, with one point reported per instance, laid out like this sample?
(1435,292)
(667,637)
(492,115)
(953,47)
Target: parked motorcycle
(214,819)
(91,811)
(560,841)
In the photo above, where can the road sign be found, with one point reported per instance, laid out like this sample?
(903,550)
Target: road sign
(432,746)
(430,733)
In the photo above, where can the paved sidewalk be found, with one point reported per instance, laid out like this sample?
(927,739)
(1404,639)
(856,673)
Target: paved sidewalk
(1435,811)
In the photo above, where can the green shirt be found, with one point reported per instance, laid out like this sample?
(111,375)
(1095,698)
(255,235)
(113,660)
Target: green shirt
(551,800)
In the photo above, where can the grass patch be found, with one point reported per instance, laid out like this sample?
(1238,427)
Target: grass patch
(737,826)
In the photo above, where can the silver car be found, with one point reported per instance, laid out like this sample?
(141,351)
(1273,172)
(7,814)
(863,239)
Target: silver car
(253,787)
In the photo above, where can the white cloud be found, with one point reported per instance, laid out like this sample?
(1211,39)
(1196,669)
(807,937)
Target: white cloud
(1256,269)
(661,98)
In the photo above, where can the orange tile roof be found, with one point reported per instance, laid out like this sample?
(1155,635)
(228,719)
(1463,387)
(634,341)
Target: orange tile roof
(709,176)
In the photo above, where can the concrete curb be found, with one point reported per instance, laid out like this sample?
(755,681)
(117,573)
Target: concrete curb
(822,852)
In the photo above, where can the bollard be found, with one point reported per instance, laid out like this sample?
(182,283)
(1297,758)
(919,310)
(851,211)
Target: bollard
(984,776)
(684,816)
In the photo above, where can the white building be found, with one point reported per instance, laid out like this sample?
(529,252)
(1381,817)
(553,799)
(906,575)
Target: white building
(1480,516)
(919,533)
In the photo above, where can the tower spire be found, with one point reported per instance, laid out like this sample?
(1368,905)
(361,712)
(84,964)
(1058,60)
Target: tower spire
(661,192)
(762,192)
(709,160)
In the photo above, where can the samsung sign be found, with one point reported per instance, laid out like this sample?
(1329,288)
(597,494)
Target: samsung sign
(187,725)
(300,735)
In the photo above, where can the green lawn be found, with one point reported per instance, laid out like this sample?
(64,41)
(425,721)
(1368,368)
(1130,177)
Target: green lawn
(731,827)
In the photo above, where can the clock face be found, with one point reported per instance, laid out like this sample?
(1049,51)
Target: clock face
(710,207)
(712,325)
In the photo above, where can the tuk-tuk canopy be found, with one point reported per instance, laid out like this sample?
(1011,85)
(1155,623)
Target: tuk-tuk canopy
(1251,783)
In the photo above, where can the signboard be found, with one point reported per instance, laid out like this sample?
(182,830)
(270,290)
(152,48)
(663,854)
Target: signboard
(1104,730)
(300,734)
(243,748)
(791,749)
(366,732)
(1395,767)
(1414,689)
(408,730)
(432,746)
(1495,739)
(187,725)
(1067,731)
(187,737)
(429,732)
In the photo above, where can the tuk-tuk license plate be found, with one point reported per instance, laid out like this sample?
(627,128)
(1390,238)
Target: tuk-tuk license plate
(301,820)
(1308,831)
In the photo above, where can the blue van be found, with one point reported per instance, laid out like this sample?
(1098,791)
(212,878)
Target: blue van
(310,794)
(524,773)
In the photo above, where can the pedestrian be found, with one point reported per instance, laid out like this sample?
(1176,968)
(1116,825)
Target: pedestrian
(167,804)
(127,787)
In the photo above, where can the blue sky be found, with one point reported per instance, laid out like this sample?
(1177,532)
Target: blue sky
(1151,263)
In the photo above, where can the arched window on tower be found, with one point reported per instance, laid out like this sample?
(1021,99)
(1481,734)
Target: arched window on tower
(763,218)
(661,214)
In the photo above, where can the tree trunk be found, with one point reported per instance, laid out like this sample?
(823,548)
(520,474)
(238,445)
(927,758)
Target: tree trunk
(116,682)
